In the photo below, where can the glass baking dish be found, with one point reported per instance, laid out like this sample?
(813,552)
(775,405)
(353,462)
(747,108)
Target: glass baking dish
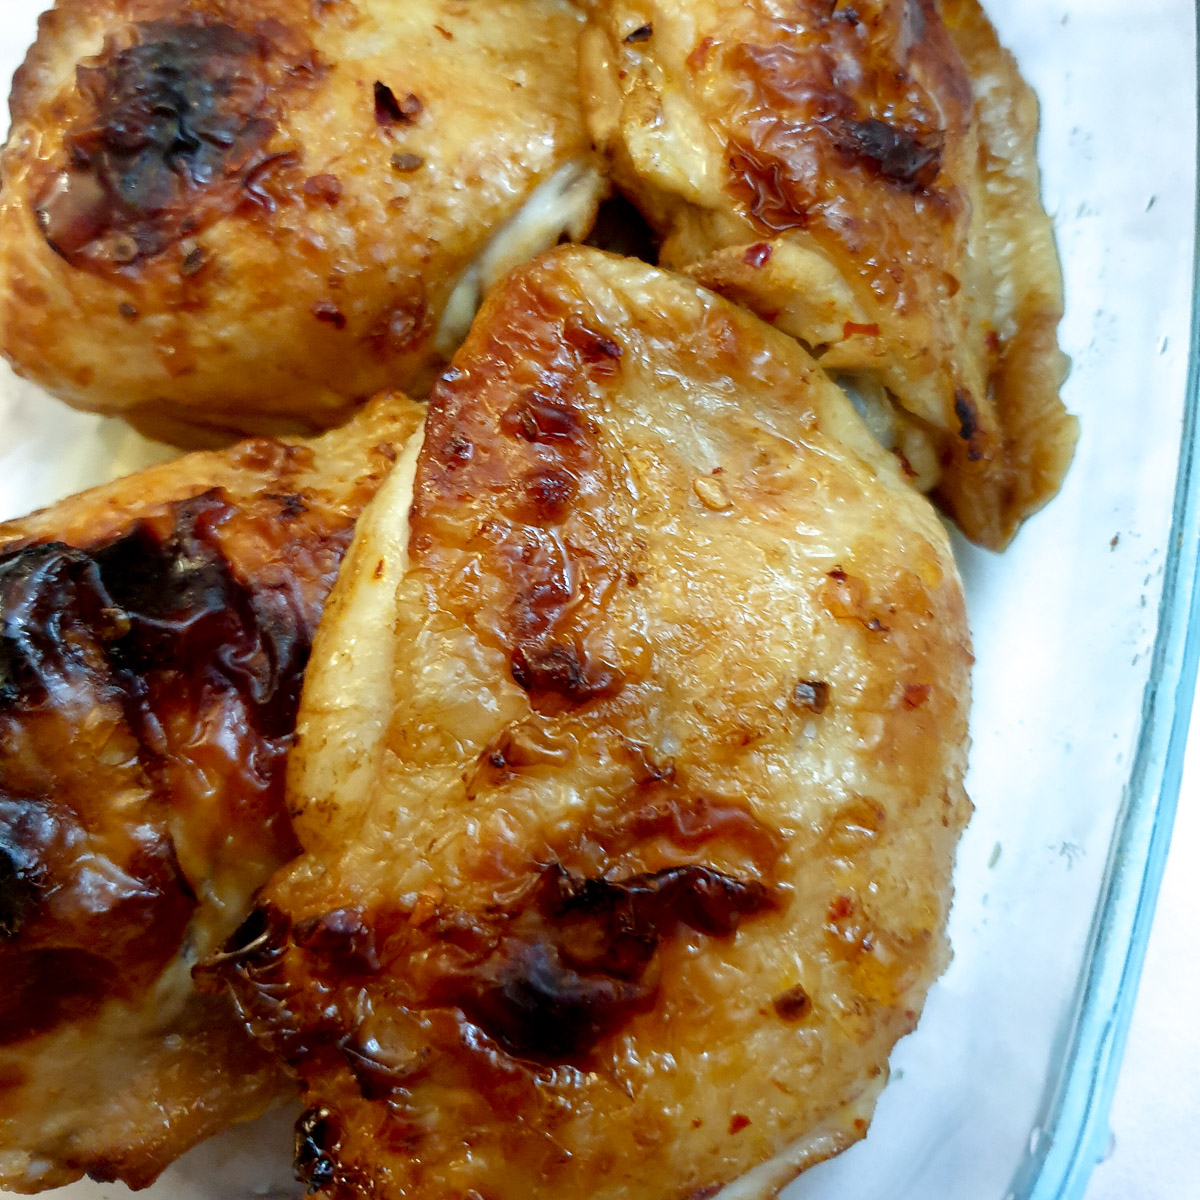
(1084,673)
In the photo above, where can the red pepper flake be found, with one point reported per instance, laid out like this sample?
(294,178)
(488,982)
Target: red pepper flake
(840,907)
(757,255)
(993,342)
(323,187)
(738,1122)
(837,575)
(853,329)
(445,33)
(915,694)
(330,314)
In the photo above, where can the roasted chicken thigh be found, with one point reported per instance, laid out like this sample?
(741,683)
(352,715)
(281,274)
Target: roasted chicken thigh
(629,770)
(153,635)
(863,175)
(250,215)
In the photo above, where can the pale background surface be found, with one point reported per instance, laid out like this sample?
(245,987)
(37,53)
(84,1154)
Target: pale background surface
(1156,1114)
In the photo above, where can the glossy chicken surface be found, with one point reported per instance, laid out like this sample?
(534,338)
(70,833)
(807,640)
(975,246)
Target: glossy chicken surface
(153,637)
(863,175)
(250,215)
(629,770)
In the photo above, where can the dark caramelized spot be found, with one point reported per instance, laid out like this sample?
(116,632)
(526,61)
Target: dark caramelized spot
(405,163)
(812,694)
(329,314)
(392,111)
(174,127)
(324,187)
(968,424)
(549,492)
(643,33)
(594,348)
(342,938)
(908,158)
(317,1140)
(792,1005)
(537,419)
(18,893)
(562,670)
(577,960)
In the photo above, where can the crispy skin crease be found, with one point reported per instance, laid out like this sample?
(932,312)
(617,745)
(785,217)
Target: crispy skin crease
(864,176)
(629,770)
(222,216)
(155,631)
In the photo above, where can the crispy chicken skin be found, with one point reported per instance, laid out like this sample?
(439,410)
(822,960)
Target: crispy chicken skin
(629,770)
(250,215)
(863,175)
(154,634)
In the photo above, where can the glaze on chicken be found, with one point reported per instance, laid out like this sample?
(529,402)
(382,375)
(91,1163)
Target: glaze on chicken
(863,175)
(153,636)
(225,215)
(629,769)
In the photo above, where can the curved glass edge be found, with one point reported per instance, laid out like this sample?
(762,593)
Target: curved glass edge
(1075,1132)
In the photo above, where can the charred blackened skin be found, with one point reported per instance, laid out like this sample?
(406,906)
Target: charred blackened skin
(18,894)
(154,622)
(812,694)
(177,124)
(564,671)
(578,960)
(390,111)
(317,1140)
(907,159)
(968,424)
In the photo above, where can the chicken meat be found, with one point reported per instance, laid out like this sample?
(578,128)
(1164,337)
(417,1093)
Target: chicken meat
(863,175)
(251,215)
(153,636)
(629,769)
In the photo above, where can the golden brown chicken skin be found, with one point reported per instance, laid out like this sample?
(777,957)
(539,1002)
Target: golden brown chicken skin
(629,769)
(250,215)
(863,175)
(154,635)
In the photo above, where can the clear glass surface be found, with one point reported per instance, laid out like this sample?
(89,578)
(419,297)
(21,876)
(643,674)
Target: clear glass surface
(1083,678)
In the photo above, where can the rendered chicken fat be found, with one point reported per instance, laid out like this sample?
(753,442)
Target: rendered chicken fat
(627,845)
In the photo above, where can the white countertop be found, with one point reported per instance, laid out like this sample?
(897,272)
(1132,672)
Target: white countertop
(1155,1151)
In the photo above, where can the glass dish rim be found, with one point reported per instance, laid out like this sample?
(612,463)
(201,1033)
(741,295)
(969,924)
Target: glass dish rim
(1073,1134)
